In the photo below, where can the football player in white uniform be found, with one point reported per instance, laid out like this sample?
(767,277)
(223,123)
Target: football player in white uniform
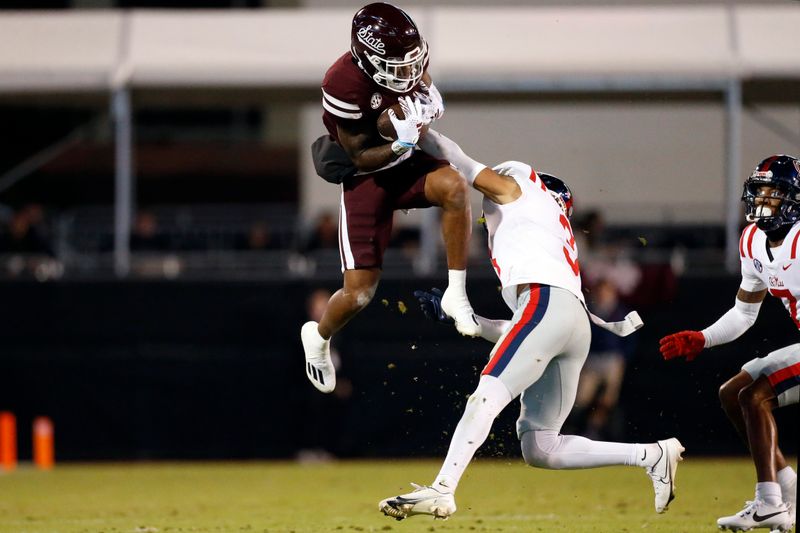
(768,249)
(539,353)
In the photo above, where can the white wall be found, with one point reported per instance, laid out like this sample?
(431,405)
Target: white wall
(488,47)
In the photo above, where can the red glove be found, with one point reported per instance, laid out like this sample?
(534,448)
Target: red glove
(688,343)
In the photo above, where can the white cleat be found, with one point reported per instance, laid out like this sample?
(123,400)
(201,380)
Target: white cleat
(460,310)
(319,367)
(424,500)
(758,514)
(792,515)
(663,472)
(790,500)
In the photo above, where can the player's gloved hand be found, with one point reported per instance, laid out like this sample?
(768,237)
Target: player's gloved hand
(407,129)
(431,305)
(432,103)
(688,343)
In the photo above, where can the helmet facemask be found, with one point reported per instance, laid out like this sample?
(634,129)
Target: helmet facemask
(399,74)
(561,203)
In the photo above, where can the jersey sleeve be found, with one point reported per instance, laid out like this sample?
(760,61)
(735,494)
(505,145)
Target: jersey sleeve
(344,93)
(343,107)
(751,281)
(514,169)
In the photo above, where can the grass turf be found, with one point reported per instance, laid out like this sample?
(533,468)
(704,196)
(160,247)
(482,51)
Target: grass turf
(494,495)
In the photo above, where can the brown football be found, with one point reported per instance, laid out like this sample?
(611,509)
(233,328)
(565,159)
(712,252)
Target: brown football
(385,127)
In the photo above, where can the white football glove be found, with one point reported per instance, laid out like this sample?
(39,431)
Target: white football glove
(407,129)
(432,103)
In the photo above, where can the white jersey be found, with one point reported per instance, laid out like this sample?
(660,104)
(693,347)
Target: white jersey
(779,274)
(530,239)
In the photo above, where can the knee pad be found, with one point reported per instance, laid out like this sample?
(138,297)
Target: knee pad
(538,446)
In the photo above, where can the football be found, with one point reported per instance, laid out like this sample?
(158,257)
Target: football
(385,126)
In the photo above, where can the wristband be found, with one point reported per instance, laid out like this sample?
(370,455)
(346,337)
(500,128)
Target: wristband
(400,147)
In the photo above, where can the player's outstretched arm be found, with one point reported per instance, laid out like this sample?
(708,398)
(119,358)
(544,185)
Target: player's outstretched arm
(498,188)
(729,327)
(430,302)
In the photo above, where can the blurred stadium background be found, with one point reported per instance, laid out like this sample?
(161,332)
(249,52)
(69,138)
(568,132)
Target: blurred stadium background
(163,235)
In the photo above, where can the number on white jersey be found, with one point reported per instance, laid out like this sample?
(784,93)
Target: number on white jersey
(569,254)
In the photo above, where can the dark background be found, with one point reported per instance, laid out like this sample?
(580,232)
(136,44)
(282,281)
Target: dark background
(162,370)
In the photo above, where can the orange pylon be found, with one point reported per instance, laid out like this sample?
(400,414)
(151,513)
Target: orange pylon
(8,441)
(43,443)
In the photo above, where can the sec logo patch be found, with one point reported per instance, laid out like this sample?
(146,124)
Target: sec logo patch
(758,265)
(376,101)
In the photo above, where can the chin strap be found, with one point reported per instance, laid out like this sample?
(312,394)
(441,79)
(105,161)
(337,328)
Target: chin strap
(780,233)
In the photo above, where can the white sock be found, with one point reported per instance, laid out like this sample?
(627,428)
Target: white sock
(320,345)
(769,492)
(549,449)
(787,479)
(457,280)
(482,408)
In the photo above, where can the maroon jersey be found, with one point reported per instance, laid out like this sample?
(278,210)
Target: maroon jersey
(348,94)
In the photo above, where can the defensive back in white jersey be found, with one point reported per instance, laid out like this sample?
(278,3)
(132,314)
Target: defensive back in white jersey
(774,271)
(530,239)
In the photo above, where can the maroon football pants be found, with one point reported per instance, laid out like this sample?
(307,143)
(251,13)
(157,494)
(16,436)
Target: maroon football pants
(368,204)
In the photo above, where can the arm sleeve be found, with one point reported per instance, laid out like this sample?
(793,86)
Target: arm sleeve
(439,146)
(732,324)
(492,330)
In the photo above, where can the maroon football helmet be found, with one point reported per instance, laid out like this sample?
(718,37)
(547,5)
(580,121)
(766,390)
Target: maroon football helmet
(387,46)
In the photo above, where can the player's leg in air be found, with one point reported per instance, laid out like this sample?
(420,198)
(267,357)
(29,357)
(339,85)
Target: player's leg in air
(749,399)
(540,357)
(446,188)
(365,225)
(357,291)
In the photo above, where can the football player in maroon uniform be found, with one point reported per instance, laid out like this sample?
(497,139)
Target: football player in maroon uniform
(386,65)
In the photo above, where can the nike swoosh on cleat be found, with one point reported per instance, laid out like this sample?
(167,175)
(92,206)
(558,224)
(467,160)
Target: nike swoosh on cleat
(786,267)
(760,518)
(403,501)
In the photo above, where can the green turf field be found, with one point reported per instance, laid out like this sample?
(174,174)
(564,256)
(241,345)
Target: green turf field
(284,497)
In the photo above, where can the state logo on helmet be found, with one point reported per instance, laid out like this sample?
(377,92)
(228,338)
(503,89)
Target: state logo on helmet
(559,190)
(771,194)
(387,46)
